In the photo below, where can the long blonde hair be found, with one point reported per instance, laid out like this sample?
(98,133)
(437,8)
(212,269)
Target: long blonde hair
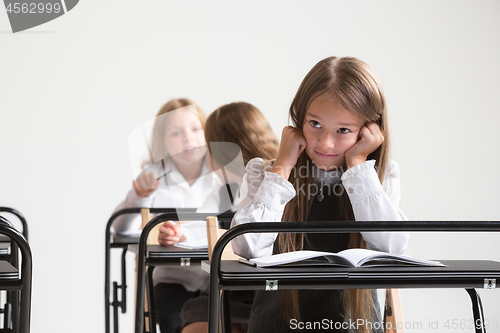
(353,86)
(243,124)
(158,136)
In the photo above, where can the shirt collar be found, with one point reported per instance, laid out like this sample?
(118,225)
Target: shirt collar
(176,178)
(322,177)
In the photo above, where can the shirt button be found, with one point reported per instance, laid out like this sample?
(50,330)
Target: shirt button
(350,190)
(282,202)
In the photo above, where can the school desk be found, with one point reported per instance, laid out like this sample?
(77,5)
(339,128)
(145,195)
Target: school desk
(115,241)
(11,280)
(156,255)
(232,275)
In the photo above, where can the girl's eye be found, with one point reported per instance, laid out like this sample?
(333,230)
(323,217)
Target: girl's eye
(176,133)
(344,130)
(196,129)
(315,124)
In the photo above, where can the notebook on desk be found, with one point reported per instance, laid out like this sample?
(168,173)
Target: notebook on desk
(233,269)
(160,251)
(347,258)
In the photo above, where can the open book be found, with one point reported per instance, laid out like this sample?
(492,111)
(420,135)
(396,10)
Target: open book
(346,258)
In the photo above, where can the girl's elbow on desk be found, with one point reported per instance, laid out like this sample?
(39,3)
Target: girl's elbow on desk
(391,242)
(249,247)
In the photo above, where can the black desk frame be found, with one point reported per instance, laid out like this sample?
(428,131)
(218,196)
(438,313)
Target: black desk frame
(176,256)
(21,322)
(143,261)
(115,303)
(13,296)
(20,217)
(218,283)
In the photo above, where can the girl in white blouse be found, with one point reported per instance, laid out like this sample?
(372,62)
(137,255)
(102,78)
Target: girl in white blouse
(332,165)
(181,177)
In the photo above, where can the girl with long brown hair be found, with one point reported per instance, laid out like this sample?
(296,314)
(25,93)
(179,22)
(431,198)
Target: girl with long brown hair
(332,165)
(231,129)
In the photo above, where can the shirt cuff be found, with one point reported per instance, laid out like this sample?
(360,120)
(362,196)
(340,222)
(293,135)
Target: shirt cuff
(136,201)
(274,192)
(361,181)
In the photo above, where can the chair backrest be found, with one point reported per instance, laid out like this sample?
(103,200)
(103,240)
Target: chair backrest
(393,312)
(153,234)
(213,234)
(152,240)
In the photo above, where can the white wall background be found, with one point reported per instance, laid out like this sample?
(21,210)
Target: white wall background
(74,88)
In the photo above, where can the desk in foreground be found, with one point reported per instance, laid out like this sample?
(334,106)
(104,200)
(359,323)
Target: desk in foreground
(457,274)
(467,274)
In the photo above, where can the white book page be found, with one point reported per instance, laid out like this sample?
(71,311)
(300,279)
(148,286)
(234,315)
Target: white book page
(285,258)
(197,244)
(356,256)
(359,256)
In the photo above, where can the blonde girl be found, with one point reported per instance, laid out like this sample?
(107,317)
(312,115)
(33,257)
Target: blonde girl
(180,178)
(332,165)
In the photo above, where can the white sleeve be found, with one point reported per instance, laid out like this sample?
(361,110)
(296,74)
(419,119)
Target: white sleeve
(373,202)
(264,197)
(128,224)
(212,202)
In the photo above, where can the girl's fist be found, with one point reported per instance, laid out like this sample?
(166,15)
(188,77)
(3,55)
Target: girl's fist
(370,138)
(146,184)
(292,145)
(170,233)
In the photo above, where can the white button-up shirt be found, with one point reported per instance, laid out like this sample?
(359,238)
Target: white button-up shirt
(265,194)
(174,192)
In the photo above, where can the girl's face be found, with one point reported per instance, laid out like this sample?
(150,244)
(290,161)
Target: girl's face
(329,132)
(184,138)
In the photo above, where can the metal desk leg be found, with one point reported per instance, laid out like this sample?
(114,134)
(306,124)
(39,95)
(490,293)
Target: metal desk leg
(141,283)
(13,314)
(214,306)
(477,309)
(14,296)
(226,313)
(7,316)
(123,300)
(107,287)
(25,293)
(123,287)
(151,300)
(115,305)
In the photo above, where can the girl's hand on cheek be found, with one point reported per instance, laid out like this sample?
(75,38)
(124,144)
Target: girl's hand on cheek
(370,138)
(292,145)
(146,184)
